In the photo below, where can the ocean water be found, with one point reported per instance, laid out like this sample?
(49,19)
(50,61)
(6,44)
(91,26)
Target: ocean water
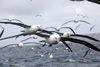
(28,57)
(38,56)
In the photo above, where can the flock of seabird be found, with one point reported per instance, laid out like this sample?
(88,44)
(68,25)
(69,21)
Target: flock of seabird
(50,37)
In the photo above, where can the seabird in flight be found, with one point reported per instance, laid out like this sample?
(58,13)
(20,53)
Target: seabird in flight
(87,52)
(29,38)
(52,39)
(75,21)
(28,29)
(87,44)
(85,36)
(67,34)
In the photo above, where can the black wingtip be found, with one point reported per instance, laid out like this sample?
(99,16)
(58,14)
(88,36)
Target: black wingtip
(2,31)
(67,45)
(87,44)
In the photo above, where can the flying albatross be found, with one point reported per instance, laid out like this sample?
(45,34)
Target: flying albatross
(28,29)
(63,39)
(55,38)
(75,21)
(52,39)
(68,34)
(89,51)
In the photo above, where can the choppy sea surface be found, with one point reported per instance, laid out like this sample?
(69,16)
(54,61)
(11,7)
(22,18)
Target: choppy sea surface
(37,56)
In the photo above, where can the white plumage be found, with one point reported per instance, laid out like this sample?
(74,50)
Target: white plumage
(53,39)
(32,29)
(66,34)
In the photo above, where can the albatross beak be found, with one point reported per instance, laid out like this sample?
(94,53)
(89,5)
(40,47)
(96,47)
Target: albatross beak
(40,28)
(57,40)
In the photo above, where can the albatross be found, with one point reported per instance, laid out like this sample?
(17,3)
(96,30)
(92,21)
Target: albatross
(28,29)
(55,38)
(75,21)
(52,39)
(68,34)
(64,39)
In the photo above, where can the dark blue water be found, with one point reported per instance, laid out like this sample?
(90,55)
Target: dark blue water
(28,57)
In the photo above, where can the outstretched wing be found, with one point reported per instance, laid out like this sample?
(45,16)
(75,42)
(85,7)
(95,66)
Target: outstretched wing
(77,27)
(17,20)
(50,27)
(67,45)
(89,45)
(46,31)
(42,35)
(68,28)
(84,21)
(18,24)
(34,43)
(85,36)
(7,46)
(67,22)
(26,39)
(12,36)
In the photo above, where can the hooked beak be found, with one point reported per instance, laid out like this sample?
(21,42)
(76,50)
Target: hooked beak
(40,28)
(57,40)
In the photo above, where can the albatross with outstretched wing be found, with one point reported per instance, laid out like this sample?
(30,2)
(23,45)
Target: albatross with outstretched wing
(28,29)
(75,21)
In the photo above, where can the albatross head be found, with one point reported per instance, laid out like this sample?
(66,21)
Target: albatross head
(33,29)
(54,38)
(20,45)
(58,29)
(66,34)
(76,20)
(36,27)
